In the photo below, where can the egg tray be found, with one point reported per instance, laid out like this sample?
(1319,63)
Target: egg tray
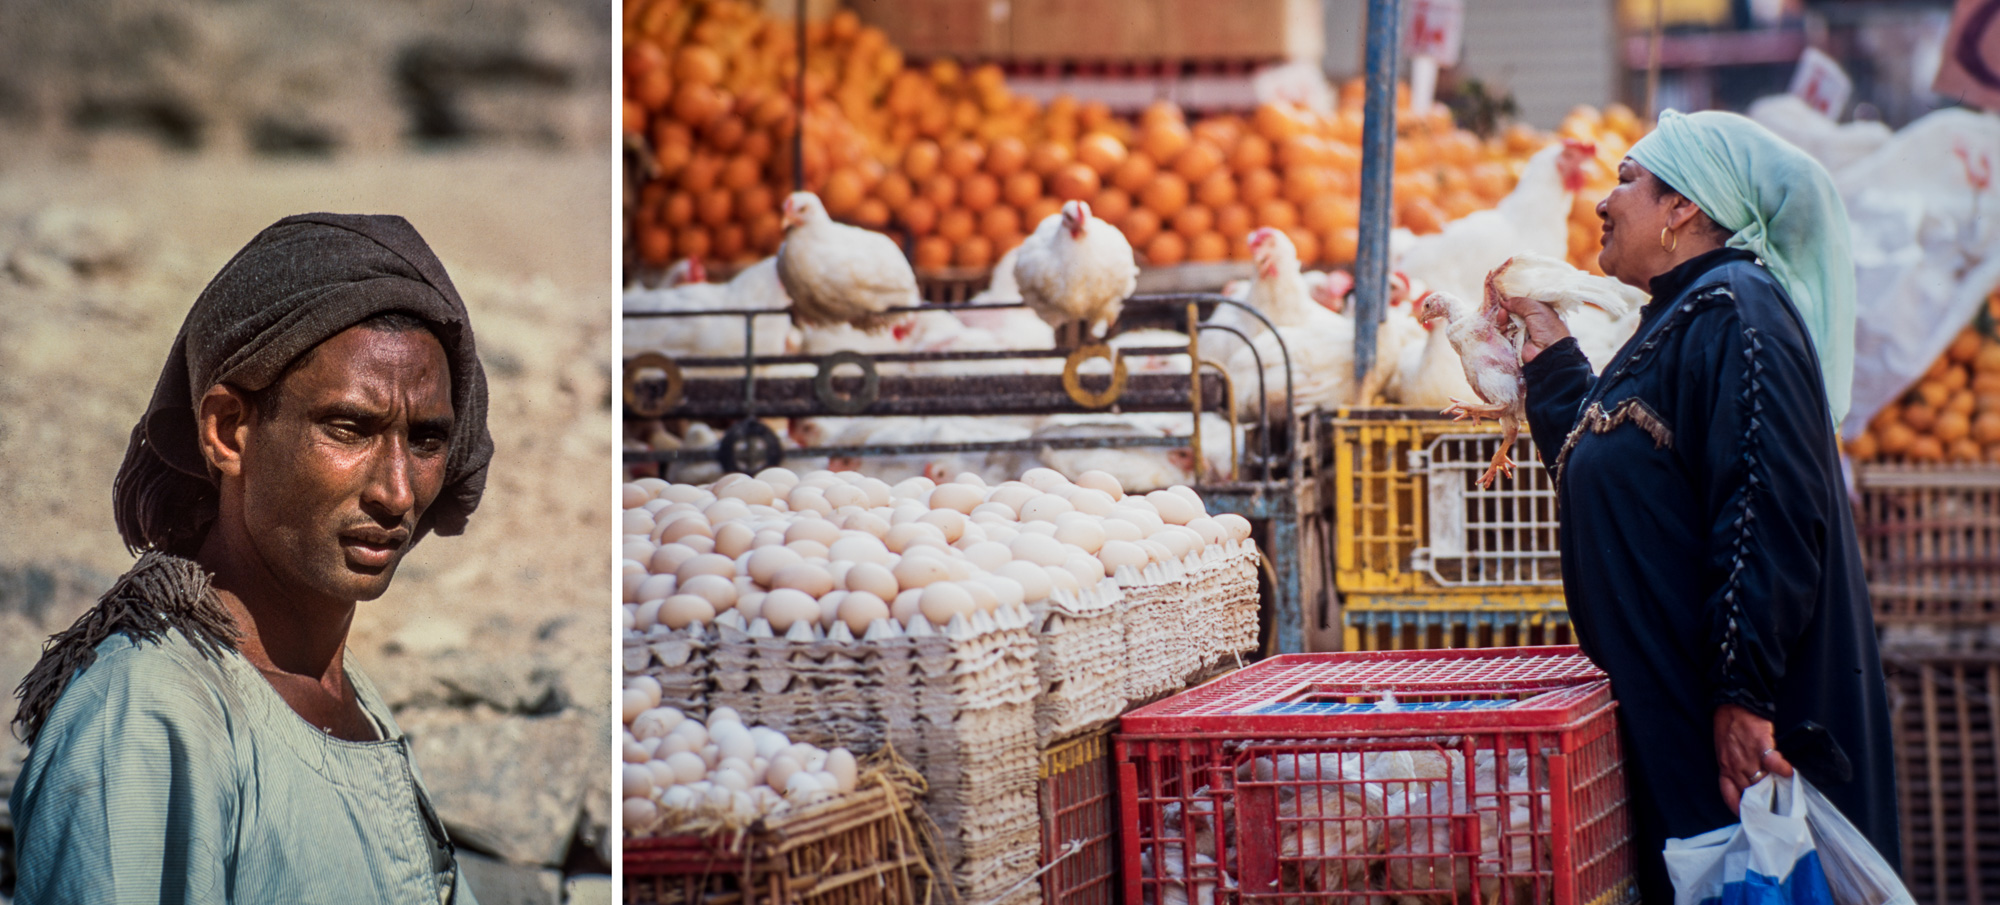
(1080,660)
(682,661)
(1156,628)
(1225,602)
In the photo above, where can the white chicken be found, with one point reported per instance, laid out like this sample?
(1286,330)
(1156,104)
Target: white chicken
(1319,342)
(840,274)
(1488,339)
(1076,269)
(757,288)
(1280,292)
(1534,217)
(1602,313)
(1418,843)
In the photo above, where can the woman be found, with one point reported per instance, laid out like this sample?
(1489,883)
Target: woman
(1708,550)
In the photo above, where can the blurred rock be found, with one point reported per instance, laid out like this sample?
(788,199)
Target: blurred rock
(500,883)
(589,890)
(63,244)
(430,635)
(509,786)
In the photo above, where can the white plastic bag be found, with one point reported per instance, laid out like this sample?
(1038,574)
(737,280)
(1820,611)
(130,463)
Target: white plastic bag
(1792,848)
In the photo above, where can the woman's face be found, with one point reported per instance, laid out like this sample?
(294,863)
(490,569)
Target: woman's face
(1634,214)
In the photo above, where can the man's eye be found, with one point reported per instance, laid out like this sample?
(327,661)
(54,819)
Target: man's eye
(431,445)
(344,430)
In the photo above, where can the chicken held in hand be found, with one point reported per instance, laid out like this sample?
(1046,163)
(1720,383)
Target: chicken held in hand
(1488,341)
(1076,270)
(840,274)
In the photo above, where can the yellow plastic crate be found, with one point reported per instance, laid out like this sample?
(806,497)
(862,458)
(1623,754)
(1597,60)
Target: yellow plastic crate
(1409,520)
(1475,619)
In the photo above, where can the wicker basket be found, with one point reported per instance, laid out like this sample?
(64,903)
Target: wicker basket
(854,850)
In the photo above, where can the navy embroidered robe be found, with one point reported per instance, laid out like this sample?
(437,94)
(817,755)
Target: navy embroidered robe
(1708,551)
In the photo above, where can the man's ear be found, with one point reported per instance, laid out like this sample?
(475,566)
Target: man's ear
(222,427)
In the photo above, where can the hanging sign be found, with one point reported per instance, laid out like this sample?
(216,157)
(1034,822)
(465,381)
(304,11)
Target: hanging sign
(1821,83)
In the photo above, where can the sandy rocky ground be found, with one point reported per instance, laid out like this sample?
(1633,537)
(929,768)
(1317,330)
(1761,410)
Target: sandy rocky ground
(141,143)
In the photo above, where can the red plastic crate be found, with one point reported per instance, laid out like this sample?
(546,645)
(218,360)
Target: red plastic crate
(1079,805)
(1408,776)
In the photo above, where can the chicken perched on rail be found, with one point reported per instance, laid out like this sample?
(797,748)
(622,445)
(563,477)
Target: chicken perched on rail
(1076,269)
(1488,339)
(755,288)
(840,274)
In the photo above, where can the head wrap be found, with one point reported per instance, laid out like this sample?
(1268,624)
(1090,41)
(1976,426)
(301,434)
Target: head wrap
(300,282)
(1781,205)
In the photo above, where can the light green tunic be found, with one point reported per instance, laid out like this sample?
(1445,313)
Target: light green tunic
(165,777)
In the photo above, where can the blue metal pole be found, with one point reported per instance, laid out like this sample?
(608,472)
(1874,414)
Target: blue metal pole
(1378,163)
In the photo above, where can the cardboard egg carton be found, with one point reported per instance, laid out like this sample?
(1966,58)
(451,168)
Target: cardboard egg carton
(1080,660)
(1226,584)
(680,661)
(1155,627)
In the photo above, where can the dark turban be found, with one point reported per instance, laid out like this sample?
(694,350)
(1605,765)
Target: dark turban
(300,282)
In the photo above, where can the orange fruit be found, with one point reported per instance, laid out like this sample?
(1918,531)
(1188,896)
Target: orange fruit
(975,252)
(871,213)
(1252,152)
(1167,194)
(1421,216)
(1217,190)
(1962,449)
(941,190)
(1134,174)
(933,253)
(755,200)
(1276,213)
(1111,204)
(697,65)
(921,159)
(1925,449)
(1140,226)
(1896,437)
(714,207)
(641,57)
(1341,245)
(1007,156)
(730,242)
(843,192)
(692,242)
(1303,184)
(999,222)
(1951,426)
(1075,182)
(1102,153)
(964,158)
(1038,210)
(654,91)
(1209,246)
(632,118)
(741,173)
(1021,189)
(1164,139)
(677,210)
(1306,243)
(895,190)
(956,225)
(672,157)
(1193,220)
(1257,186)
(1046,157)
(1166,250)
(979,192)
(1862,448)
(1322,214)
(1276,122)
(1197,161)
(696,104)
(758,146)
(920,215)
(725,133)
(1234,221)
(766,230)
(656,245)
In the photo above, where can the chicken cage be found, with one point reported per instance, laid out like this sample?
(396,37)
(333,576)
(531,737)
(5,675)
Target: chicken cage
(1944,711)
(1422,555)
(1930,541)
(1079,807)
(1268,480)
(1440,776)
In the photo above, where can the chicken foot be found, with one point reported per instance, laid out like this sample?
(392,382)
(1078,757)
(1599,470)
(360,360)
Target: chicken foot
(1510,428)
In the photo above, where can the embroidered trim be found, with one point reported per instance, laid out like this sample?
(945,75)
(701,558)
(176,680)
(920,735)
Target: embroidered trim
(1752,403)
(1631,411)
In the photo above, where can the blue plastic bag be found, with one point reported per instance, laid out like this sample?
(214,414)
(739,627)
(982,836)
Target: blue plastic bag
(1792,848)
(1768,859)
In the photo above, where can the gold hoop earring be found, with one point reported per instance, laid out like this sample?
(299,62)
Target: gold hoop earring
(1665,233)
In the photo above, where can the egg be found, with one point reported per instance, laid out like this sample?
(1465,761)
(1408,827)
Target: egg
(840,762)
(1045,508)
(1012,495)
(682,527)
(1062,579)
(1043,479)
(780,770)
(920,571)
(989,555)
(804,788)
(779,477)
(878,491)
(648,614)
(638,813)
(840,496)
(1103,482)
(906,605)
(1120,529)
(1091,502)
(706,564)
(914,488)
(810,549)
(726,509)
(1033,579)
(720,592)
(1210,530)
(682,493)
(814,580)
(632,496)
(960,498)
(637,521)
(768,561)
(699,544)
(1081,531)
(1087,569)
(866,522)
(1117,554)
(943,600)
(1045,529)
(874,579)
(860,609)
(1000,511)
(682,610)
(1006,591)
(656,587)
(949,521)
(1147,520)
(1176,543)
(973,534)
(657,722)
(787,606)
(635,753)
(901,536)
(983,598)
(1038,549)
(688,766)
(769,741)
(1002,533)
(813,529)
(724,714)
(829,608)
(1173,508)
(749,490)
(1235,527)
(751,605)
(726,481)
(636,781)
(734,741)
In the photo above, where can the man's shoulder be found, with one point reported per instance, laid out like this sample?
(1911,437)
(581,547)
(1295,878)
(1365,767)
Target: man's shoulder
(167,675)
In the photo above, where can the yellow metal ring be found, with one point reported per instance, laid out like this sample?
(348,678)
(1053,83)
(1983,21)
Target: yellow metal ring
(1073,382)
(668,400)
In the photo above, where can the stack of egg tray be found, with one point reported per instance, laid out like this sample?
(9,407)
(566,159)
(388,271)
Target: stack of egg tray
(681,661)
(814,686)
(976,684)
(1080,659)
(1222,612)
(1158,652)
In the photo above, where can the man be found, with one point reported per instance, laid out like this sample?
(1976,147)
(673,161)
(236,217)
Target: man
(198,735)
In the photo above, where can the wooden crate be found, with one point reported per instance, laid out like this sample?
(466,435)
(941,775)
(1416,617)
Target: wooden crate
(1944,711)
(857,849)
(1930,541)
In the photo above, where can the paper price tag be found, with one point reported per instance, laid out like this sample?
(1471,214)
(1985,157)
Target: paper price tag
(1821,83)
(1436,27)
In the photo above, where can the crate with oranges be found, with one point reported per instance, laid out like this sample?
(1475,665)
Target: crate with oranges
(1952,414)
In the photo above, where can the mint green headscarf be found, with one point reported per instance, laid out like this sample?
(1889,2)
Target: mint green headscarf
(1783,208)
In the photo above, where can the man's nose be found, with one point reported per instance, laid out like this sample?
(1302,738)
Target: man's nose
(389,491)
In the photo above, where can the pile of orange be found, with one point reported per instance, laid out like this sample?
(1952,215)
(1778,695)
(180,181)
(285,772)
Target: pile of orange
(1951,415)
(965,168)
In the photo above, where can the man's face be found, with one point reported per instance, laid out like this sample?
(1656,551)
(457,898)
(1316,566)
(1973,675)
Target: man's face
(350,456)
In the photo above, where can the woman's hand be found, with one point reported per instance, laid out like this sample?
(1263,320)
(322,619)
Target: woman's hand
(1744,752)
(1544,326)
